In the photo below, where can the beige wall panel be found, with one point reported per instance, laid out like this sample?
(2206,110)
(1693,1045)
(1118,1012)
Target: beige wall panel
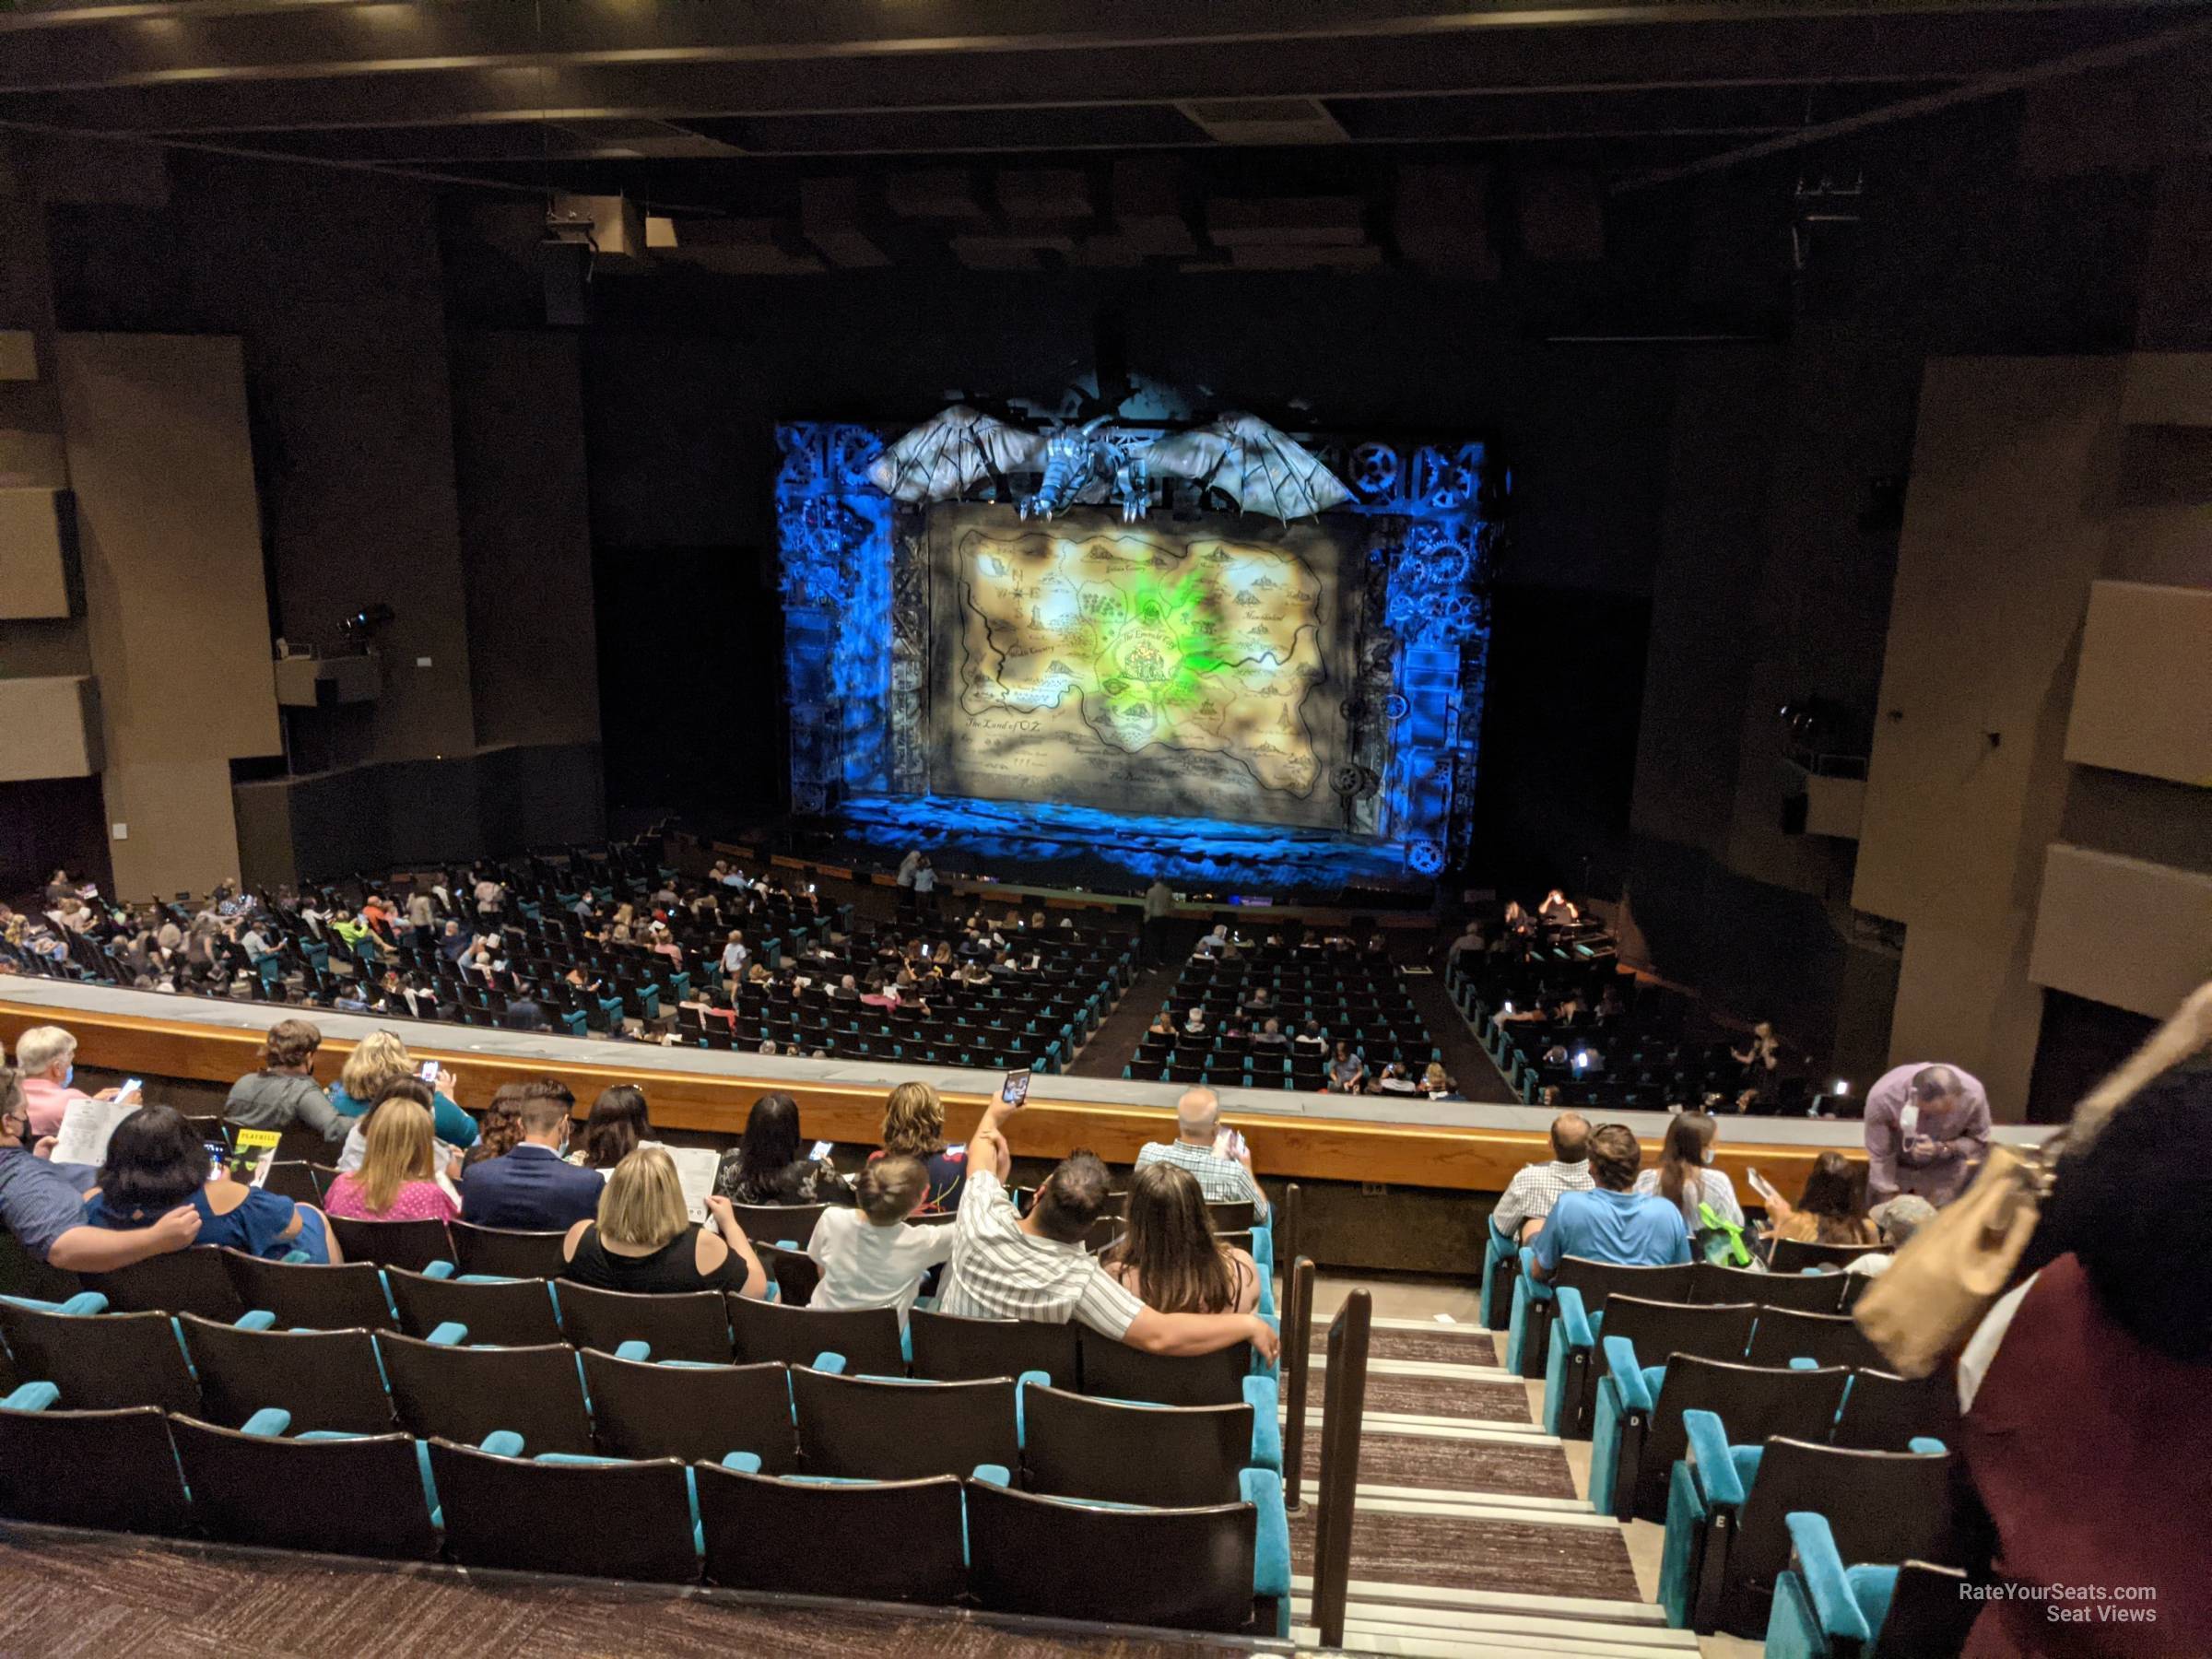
(175,604)
(2142,694)
(2122,930)
(49,728)
(34,574)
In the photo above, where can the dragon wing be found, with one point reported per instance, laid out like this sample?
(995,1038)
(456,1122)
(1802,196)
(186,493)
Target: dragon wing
(943,457)
(1259,468)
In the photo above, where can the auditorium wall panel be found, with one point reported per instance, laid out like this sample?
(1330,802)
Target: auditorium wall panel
(161,464)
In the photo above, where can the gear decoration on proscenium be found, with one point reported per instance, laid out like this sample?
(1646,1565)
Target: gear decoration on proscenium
(1396,706)
(1447,483)
(1374,470)
(1425,858)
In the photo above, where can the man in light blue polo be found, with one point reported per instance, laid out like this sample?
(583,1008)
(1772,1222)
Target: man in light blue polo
(1611,1223)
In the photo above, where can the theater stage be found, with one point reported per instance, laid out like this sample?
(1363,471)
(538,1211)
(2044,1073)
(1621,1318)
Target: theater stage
(1443,1149)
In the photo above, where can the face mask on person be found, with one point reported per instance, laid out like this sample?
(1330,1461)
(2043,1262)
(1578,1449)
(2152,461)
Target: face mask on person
(69,1074)
(1706,1156)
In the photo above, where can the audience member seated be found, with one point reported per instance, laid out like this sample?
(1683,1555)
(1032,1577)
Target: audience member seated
(1438,1083)
(46,1055)
(1217,1156)
(284,1092)
(1346,1072)
(614,1127)
(641,1240)
(1684,1176)
(398,1177)
(1528,1197)
(765,1168)
(501,1128)
(914,1126)
(2083,1393)
(156,1161)
(1927,1127)
(869,1256)
(1831,1209)
(1612,1223)
(1896,1221)
(380,1060)
(1034,1266)
(524,1012)
(1167,1254)
(42,1203)
(530,1189)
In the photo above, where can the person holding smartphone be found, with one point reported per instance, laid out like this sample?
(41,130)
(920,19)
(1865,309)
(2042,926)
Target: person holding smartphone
(1007,1265)
(1216,1156)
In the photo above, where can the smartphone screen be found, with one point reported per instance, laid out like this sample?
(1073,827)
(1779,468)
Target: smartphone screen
(1016,1088)
(821,1150)
(1760,1185)
(428,1071)
(218,1158)
(131,1086)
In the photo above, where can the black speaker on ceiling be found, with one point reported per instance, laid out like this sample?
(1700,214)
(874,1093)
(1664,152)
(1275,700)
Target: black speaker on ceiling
(566,268)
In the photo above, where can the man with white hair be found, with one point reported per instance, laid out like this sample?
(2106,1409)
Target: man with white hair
(1223,1166)
(47,1057)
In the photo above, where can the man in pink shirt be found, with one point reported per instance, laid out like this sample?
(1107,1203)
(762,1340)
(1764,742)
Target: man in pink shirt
(46,1055)
(1927,1130)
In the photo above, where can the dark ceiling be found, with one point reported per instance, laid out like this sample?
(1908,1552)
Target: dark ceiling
(722,108)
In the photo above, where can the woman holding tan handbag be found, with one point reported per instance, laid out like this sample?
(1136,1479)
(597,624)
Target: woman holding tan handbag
(2085,1389)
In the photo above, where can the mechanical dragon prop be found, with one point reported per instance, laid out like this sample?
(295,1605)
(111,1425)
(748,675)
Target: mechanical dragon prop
(1257,467)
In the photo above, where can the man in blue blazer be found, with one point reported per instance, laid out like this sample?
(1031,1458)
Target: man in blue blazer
(530,1188)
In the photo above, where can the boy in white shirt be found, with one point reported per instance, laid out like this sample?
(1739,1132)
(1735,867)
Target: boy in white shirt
(869,1257)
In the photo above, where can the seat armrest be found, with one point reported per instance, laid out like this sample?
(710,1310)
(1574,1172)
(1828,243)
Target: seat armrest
(829,1361)
(1022,1386)
(1263,1488)
(1927,1445)
(1264,1397)
(996,1474)
(258,1319)
(1539,1290)
(438,1270)
(1710,1464)
(451,1333)
(1628,1376)
(1262,1368)
(31,1397)
(269,1423)
(501,1442)
(1572,1315)
(1813,1552)
(745,1463)
(634,1349)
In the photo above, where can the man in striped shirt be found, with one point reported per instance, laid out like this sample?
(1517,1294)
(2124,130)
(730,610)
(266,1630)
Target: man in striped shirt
(1010,1266)
(1224,1169)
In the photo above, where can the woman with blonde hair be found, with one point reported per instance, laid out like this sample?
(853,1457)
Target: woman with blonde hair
(398,1177)
(644,1242)
(379,1061)
(914,1126)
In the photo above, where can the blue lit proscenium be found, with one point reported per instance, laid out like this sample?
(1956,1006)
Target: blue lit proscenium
(1432,509)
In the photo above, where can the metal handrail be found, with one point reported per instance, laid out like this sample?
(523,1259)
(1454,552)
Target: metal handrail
(1343,1404)
(1297,1354)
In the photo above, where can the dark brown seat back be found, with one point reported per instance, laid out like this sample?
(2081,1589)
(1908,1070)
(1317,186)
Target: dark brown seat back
(505,1253)
(1883,1507)
(184,1281)
(466,1394)
(764,1534)
(100,1361)
(1804,1292)
(410,1244)
(700,1413)
(951,1349)
(1754,1404)
(777,1223)
(113,1470)
(513,1313)
(1824,1338)
(1186,1569)
(1232,1216)
(346,1297)
(690,1324)
(793,1271)
(327,1379)
(1121,1373)
(1171,1456)
(294,1179)
(1883,1412)
(1794,1255)
(524,1516)
(1710,1331)
(1929,1612)
(1598,1282)
(768,1332)
(357,1497)
(871,1430)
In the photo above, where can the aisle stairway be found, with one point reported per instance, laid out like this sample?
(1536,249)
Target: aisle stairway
(1468,1541)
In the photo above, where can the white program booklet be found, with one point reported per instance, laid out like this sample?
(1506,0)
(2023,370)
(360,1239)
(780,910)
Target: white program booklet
(86,1126)
(695,1167)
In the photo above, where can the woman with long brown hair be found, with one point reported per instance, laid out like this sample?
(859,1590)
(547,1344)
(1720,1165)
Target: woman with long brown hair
(1831,1209)
(1168,1252)
(616,1127)
(1686,1177)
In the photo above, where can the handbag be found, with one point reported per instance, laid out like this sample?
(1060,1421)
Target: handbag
(1926,1307)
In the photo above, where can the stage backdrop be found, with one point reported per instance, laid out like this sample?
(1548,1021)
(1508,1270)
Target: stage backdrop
(949,687)
(1194,669)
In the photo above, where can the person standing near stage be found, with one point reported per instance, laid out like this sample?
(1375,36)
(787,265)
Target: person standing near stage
(906,866)
(1159,906)
(925,885)
(1927,1130)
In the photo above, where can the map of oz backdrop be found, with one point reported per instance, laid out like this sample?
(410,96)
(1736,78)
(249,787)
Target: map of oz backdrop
(1193,667)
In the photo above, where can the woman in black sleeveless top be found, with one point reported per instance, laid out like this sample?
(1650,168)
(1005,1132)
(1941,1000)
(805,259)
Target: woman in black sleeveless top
(645,1242)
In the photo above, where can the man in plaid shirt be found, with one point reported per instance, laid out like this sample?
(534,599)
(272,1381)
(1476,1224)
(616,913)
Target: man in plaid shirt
(1535,1188)
(1223,1169)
